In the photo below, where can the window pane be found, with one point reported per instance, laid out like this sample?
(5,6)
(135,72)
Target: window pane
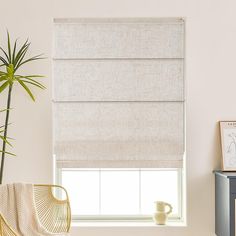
(119,192)
(158,186)
(83,189)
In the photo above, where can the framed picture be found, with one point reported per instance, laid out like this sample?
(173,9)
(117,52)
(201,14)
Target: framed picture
(228,145)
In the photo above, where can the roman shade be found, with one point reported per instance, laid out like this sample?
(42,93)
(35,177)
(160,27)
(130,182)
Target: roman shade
(118,93)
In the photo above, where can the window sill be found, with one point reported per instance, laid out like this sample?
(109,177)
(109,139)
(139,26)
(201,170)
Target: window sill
(76,224)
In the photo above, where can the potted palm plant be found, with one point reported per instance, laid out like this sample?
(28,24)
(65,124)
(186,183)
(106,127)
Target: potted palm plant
(11,60)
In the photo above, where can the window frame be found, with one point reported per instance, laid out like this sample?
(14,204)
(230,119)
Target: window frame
(130,218)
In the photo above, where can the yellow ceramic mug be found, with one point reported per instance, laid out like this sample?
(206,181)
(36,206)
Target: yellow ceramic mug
(161,215)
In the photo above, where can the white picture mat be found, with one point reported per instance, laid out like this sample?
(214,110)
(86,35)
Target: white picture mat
(228,141)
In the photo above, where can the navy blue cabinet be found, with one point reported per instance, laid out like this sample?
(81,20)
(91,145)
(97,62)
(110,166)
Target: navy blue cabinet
(225,196)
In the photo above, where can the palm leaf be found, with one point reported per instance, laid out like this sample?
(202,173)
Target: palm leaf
(14,52)
(3,86)
(6,137)
(4,61)
(5,140)
(5,53)
(26,89)
(2,78)
(9,46)
(3,126)
(33,76)
(5,110)
(10,138)
(31,80)
(37,57)
(35,84)
(22,56)
(24,48)
(9,153)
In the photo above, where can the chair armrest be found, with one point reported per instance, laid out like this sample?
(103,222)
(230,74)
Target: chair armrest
(5,228)
(54,213)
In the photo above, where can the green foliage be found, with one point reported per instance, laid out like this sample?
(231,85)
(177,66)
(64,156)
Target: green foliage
(11,59)
(5,139)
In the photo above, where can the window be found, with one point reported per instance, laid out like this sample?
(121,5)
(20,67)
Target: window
(118,115)
(121,194)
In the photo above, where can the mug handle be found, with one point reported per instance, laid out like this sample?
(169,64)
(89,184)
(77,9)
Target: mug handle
(170,208)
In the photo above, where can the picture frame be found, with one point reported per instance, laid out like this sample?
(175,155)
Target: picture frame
(228,145)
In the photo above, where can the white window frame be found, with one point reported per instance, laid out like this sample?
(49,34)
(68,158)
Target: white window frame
(136,218)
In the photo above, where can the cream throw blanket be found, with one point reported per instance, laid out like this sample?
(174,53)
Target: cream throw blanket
(18,208)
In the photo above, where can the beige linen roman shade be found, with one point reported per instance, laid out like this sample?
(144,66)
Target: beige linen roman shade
(118,93)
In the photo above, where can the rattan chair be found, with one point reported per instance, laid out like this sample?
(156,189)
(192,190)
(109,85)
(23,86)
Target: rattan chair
(54,214)
(5,228)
